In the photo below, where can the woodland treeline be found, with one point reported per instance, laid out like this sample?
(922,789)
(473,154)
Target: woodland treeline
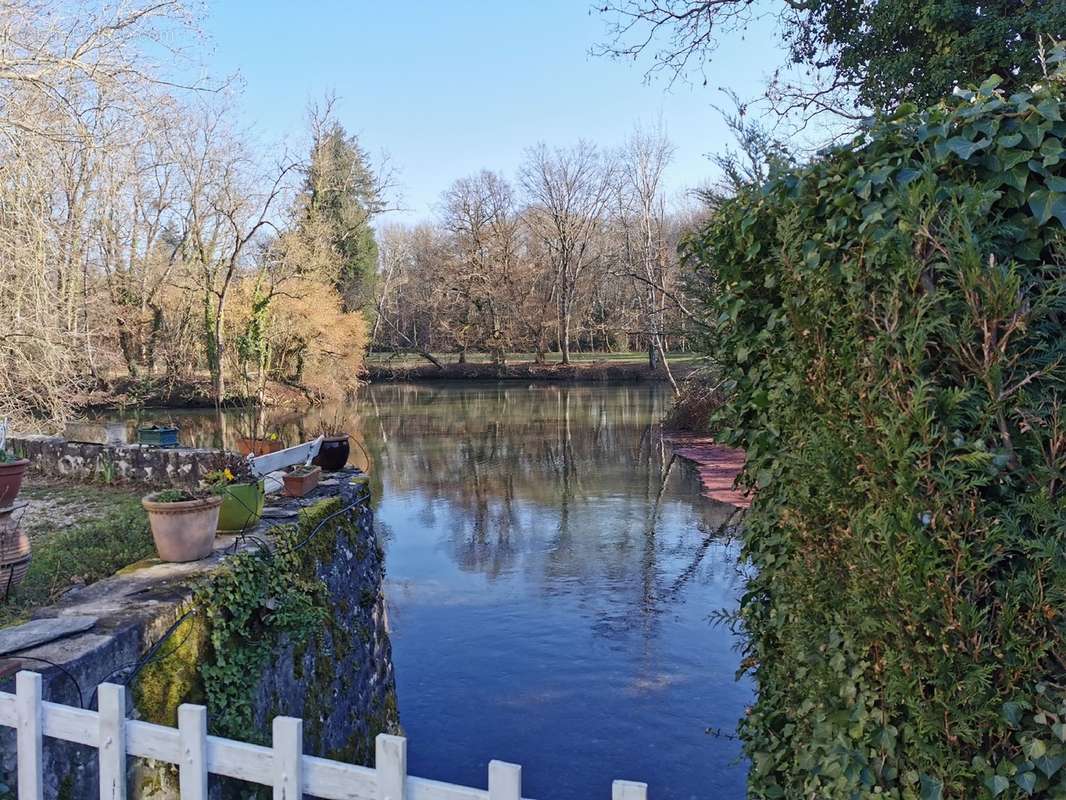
(577,252)
(147,241)
(144,235)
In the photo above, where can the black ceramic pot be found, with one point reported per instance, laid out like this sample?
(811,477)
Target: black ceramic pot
(333,455)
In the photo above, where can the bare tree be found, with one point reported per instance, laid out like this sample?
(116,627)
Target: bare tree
(569,191)
(642,212)
(682,34)
(228,202)
(76,93)
(480,216)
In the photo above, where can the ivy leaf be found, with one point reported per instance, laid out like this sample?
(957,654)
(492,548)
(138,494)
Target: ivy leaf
(932,789)
(960,146)
(989,84)
(996,784)
(1034,749)
(1015,157)
(1026,781)
(1029,250)
(1016,177)
(1012,713)
(1055,183)
(1059,729)
(1046,204)
(1033,132)
(907,175)
(1049,765)
(1049,109)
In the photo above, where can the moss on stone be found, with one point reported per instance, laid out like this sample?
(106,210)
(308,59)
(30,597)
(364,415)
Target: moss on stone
(256,609)
(320,547)
(172,677)
(65,791)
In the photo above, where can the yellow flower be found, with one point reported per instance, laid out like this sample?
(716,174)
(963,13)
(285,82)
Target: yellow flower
(227,475)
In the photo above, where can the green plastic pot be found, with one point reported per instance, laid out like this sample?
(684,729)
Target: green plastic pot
(242,506)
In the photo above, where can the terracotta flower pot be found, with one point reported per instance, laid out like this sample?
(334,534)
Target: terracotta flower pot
(14,552)
(183,531)
(333,455)
(259,447)
(242,506)
(11,475)
(302,481)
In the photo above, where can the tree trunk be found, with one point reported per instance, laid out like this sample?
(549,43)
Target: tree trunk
(564,333)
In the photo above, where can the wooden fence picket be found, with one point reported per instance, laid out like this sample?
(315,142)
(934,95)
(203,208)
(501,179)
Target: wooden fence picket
(111,700)
(30,736)
(192,770)
(629,790)
(505,781)
(288,754)
(391,765)
(283,766)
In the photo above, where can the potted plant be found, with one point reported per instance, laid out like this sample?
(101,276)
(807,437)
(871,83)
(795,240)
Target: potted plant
(333,455)
(12,472)
(302,480)
(14,551)
(256,446)
(183,523)
(241,491)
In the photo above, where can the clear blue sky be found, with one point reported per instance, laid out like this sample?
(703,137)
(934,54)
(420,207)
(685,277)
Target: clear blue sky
(449,88)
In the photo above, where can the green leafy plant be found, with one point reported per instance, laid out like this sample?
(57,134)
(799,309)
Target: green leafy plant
(175,496)
(227,469)
(890,323)
(253,601)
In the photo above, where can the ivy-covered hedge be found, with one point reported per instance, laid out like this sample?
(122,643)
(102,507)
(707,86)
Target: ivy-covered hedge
(892,322)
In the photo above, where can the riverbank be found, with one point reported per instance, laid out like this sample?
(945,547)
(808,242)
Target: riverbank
(157,392)
(162,392)
(591,371)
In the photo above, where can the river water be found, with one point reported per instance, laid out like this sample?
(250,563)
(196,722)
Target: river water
(551,577)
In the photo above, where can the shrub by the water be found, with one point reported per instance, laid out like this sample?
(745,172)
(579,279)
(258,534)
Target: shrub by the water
(892,323)
(700,396)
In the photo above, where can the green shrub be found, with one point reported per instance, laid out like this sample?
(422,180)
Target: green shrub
(890,320)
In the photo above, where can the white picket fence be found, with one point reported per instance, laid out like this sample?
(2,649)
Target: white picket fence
(283,766)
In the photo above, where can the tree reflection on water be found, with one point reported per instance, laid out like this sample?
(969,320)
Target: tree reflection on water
(549,564)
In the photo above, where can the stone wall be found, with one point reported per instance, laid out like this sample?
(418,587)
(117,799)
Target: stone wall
(147,631)
(55,457)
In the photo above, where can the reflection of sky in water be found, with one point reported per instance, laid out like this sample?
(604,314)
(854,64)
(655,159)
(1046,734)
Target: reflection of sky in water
(549,591)
(551,614)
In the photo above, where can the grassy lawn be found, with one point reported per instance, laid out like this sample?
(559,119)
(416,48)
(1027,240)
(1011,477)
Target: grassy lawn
(413,359)
(80,534)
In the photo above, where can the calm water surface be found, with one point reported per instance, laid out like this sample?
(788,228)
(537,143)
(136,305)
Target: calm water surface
(550,577)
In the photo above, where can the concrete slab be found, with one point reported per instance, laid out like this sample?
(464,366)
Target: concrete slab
(42,631)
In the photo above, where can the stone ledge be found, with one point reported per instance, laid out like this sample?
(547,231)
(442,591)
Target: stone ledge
(55,457)
(133,609)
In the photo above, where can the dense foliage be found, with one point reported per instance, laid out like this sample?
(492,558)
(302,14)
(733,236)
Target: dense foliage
(919,50)
(891,321)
